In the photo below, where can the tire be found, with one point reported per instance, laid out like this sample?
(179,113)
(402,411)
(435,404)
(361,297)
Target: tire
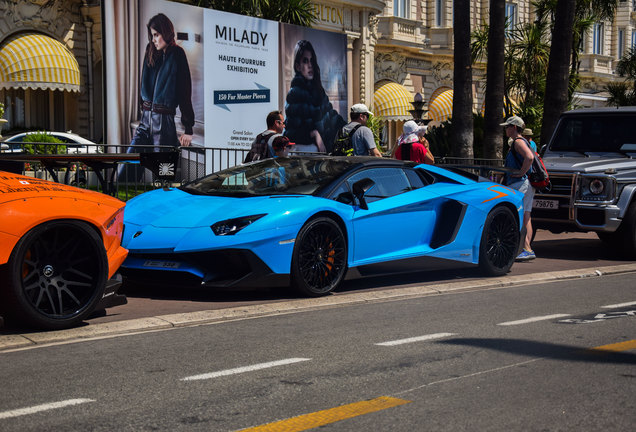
(624,239)
(610,239)
(319,260)
(55,275)
(499,242)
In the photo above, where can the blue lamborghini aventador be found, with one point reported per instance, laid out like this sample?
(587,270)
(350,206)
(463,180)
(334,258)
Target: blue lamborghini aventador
(306,220)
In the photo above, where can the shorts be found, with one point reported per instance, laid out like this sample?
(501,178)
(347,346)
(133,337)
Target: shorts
(527,191)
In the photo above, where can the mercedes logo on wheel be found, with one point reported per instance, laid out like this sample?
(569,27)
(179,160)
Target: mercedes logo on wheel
(48,271)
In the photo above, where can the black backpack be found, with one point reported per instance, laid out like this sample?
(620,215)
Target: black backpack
(261,148)
(343,144)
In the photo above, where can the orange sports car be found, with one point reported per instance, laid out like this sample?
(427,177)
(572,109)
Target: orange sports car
(60,248)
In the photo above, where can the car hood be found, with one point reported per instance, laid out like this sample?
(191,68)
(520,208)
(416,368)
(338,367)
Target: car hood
(592,164)
(175,208)
(18,187)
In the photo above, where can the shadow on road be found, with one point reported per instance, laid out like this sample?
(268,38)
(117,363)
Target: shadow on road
(576,249)
(546,350)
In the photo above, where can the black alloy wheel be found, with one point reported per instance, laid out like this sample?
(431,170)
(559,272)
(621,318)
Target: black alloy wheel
(319,260)
(499,242)
(56,275)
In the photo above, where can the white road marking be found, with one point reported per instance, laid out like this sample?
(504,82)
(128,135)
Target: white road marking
(416,339)
(244,369)
(43,407)
(533,319)
(619,305)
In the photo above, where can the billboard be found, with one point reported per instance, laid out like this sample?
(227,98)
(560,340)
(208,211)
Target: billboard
(219,79)
(241,64)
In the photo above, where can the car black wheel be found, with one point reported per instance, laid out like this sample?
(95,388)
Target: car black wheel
(499,242)
(319,260)
(624,238)
(56,275)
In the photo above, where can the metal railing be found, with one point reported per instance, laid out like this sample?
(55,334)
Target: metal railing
(129,178)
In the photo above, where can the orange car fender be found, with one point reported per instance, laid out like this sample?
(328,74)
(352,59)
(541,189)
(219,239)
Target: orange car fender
(20,216)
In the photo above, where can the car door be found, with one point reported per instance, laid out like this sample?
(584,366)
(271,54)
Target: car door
(399,218)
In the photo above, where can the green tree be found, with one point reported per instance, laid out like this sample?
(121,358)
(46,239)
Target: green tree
(375,124)
(495,74)
(527,57)
(527,62)
(558,75)
(571,19)
(462,132)
(299,12)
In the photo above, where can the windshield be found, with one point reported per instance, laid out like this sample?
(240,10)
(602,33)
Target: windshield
(277,176)
(594,133)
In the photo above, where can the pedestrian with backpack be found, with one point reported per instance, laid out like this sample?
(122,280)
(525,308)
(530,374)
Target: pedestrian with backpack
(262,144)
(519,158)
(355,138)
(412,144)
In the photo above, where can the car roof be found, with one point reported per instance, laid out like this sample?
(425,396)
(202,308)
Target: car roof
(360,160)
(603,111)
(77,138)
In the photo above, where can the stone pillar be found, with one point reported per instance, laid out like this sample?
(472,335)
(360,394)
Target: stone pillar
(89,80)
(367,55)
(351,38)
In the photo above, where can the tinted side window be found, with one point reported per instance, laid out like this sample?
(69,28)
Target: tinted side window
(388,182)
(415,179)
(594,134)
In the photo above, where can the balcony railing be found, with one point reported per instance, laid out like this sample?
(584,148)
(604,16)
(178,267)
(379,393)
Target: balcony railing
(596,64)
(401,30)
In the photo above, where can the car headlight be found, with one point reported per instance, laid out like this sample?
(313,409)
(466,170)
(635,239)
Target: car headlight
(232,226)
(597,189)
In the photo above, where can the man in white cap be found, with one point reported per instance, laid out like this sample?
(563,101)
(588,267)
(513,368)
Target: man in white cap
(520,158)
(361,136)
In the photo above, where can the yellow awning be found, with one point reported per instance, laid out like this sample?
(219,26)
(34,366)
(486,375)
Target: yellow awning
(392,101)
(440,105)
(36,61)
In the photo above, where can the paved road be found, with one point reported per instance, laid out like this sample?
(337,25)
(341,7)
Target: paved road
(555,253)
(550,356)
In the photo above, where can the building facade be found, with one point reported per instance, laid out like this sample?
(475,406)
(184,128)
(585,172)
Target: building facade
(396,49)
(414,54)
(50,66)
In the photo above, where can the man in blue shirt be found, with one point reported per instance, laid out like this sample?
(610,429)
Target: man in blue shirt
(520,158)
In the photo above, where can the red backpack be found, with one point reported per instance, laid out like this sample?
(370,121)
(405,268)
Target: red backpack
(538,174)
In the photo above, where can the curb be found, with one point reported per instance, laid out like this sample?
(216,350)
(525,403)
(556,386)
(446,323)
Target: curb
(164,322)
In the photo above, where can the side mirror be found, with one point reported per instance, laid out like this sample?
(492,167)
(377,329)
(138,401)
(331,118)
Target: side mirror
(345,198)
(360,188)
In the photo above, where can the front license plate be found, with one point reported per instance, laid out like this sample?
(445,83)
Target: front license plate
(545,204)
(162,264)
